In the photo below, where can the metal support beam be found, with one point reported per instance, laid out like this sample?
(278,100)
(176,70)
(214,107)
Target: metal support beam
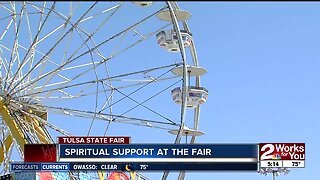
(12,125)
(4,149)
(38,129)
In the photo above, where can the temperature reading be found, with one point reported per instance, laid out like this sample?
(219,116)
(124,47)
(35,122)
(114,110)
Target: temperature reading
(143,166)
(295,164)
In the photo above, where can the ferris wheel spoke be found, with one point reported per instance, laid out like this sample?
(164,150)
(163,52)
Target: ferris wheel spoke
(51,49)
(112,91)
(98,80)
(137,89)
(5,65)
(67,21)
(16,29)
(90,36)
(77,26)
(28,24)
(45,63)
(48,124)
(83,94)
(108,102)
(31,37)
(31,46)
(89,114)
(92,49)
(137,42)
(106,79)
(116,7)
(6,8)
(96,77)
(94,64)
(130,120)
(99,115)
(80,94)
(49,34)
(36,51)
(60,37)
(6,29)
(7,17)
(143,123)
(149,35)
(96,96)
(36,6)
(141,103)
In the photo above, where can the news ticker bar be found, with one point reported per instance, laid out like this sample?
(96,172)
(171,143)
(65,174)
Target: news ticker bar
(162,160)
(75,166)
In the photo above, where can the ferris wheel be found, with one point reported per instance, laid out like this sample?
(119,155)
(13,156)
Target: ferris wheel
(97,68)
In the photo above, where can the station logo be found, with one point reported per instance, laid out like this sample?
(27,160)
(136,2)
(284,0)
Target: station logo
(282,151)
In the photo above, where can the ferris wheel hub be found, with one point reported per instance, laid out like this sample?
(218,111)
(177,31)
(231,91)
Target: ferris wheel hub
(4,95)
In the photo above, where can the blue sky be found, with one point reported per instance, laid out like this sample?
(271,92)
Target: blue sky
(263,64)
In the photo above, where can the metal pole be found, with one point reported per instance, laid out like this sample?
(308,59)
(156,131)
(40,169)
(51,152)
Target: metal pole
(186,137)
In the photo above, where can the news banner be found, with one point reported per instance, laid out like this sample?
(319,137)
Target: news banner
(119,154)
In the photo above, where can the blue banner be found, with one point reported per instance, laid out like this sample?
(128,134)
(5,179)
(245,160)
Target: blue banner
(94,166)
(25,167)
(39,166)
(54,166)
(158,151)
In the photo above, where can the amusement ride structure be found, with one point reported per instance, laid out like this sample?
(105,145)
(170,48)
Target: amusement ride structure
(83,68)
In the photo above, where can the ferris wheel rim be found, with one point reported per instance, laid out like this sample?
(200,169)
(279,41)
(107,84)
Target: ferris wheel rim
(195,62)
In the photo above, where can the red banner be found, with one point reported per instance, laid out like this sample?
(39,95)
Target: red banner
(94,140)
(40,153)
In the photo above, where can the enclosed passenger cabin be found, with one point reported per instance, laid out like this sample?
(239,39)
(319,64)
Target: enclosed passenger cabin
(168,39)
(196,96)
